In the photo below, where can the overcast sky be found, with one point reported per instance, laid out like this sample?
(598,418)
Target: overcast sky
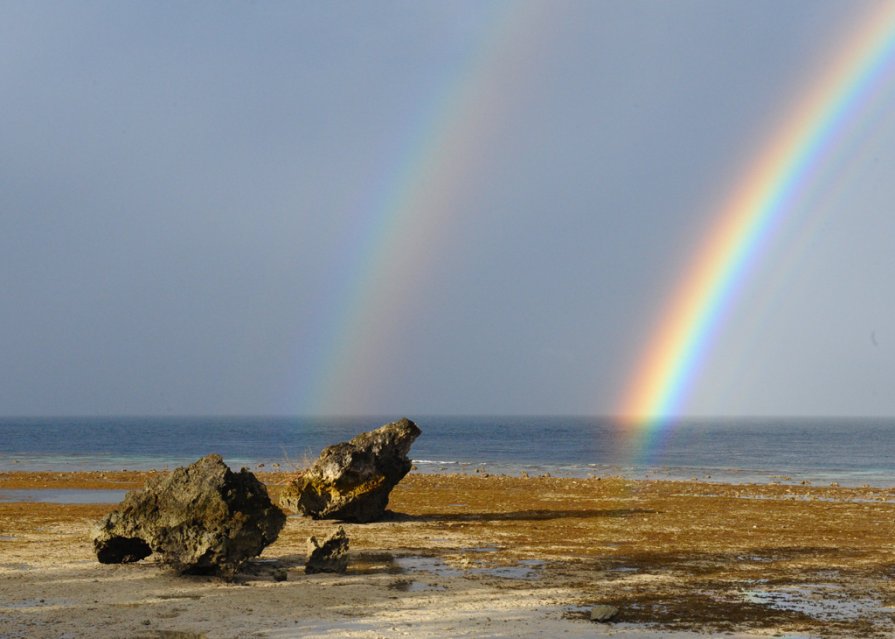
(192,197)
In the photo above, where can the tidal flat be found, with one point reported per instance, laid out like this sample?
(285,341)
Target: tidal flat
(476,555)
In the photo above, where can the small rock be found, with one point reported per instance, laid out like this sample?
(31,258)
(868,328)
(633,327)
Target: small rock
(603,612)
(330,556)
(280,574)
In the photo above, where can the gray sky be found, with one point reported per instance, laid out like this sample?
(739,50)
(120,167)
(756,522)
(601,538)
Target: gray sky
(187,192)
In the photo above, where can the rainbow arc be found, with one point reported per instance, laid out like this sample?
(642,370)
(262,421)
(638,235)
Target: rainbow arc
(761,198)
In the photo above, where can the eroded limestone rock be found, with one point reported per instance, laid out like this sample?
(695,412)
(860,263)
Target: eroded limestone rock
(330,556)
(351,481)
(202,518)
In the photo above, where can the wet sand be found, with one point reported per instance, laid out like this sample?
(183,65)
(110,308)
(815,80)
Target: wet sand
(485,556)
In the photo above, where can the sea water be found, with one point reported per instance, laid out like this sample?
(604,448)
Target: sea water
(850,451)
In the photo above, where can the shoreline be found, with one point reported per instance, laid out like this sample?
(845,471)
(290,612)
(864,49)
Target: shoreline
(131,479)
(482,555)
(103,475)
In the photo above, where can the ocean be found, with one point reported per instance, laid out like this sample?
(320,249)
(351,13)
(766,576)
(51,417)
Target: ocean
(849,451)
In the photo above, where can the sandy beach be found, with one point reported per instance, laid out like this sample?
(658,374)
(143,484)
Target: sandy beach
(484,556)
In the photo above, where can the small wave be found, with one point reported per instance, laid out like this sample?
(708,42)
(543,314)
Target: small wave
(436,462)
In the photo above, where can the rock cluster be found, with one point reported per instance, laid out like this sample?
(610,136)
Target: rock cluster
(203,518)
(351,481)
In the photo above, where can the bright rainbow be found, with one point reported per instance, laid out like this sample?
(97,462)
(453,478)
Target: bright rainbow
(414,213)
(778,176)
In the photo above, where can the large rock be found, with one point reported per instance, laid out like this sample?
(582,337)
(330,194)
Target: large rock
(351,481)
(200,519)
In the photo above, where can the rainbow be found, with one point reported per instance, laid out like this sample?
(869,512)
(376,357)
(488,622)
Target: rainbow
(776,178)
(415,208)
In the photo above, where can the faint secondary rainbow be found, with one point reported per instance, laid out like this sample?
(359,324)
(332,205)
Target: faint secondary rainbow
(762,196)
(410,217)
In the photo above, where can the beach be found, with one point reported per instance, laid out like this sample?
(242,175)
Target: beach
(483,556)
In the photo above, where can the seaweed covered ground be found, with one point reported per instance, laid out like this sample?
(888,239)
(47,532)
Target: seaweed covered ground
(477,555)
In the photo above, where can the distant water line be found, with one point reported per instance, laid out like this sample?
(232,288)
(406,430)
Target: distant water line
(848,451)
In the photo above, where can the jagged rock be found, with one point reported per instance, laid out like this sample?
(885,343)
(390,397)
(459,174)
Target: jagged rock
(330,556)
(603,612)
(203,518)
(351,481)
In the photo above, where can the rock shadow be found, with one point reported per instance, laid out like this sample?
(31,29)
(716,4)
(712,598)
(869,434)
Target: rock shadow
(519,515)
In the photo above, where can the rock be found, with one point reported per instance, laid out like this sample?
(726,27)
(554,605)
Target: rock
(351,481)
(330,556)
(603,612)
(201,519)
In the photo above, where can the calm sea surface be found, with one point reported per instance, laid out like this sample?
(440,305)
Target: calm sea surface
(849,451)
